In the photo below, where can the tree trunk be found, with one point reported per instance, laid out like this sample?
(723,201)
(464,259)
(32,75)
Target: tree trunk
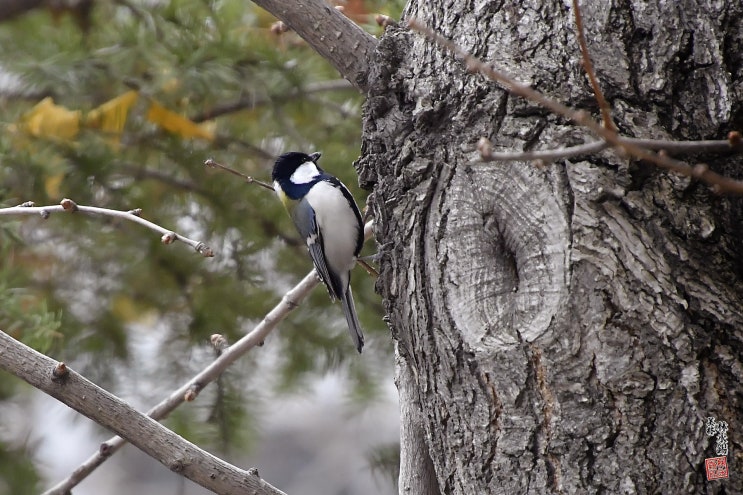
(565,328)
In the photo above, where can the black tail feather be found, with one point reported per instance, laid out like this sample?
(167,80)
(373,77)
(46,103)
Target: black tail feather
(354,328)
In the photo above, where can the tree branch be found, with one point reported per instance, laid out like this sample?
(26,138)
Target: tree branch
(170,449)
(331,34)
(211,163)
(168,236)
(588,66)
(141,172)
(250,102)
(190,390)
(719,183)
(547,156)
(672,147)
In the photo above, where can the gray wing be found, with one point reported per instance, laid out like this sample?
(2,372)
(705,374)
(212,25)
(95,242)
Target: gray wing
(304,219)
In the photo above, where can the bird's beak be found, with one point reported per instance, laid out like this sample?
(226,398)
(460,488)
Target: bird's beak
(315,156)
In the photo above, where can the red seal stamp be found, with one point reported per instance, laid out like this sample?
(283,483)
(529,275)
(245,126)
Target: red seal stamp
(717,468)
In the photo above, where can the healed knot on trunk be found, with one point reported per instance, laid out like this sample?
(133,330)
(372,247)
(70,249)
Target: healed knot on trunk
(505,248)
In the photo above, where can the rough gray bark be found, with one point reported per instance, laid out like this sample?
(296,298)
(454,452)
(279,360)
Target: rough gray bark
(417,474)
(565,329)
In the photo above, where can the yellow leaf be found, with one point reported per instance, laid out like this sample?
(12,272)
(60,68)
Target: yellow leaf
(46,119)
(111,116)
(178,124)
(51,185)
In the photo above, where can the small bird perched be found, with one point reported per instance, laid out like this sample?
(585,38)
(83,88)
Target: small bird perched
(328,219)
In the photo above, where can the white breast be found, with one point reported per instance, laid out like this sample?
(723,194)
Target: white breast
(338,226)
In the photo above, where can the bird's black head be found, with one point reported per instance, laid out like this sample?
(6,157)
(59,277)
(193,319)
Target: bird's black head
(289,162)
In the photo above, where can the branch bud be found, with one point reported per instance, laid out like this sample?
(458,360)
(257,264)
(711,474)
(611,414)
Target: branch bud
(735,139)
(192,392)
(277,28)
(105,449)
(385,20)
(485,148)
(169,238)
(60,372)
(68,205)
(219,342)
(699,170)
(204,250)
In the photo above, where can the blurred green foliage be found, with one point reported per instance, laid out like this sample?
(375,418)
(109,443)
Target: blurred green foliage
(17,473)
(87,289)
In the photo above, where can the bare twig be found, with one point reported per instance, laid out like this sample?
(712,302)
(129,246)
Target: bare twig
(256,101)
(168,236)
(209,162)
(671,147)
(588,66)
(224,140)
(369,269)
(687,147)
(190,390)
(342,109)
(719,183)
(170,449)
(140,172)
(543,155)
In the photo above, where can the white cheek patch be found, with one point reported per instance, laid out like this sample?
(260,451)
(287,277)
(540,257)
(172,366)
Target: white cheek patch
(304,173)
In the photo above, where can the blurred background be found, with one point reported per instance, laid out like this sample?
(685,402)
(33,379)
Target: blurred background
(117,104)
